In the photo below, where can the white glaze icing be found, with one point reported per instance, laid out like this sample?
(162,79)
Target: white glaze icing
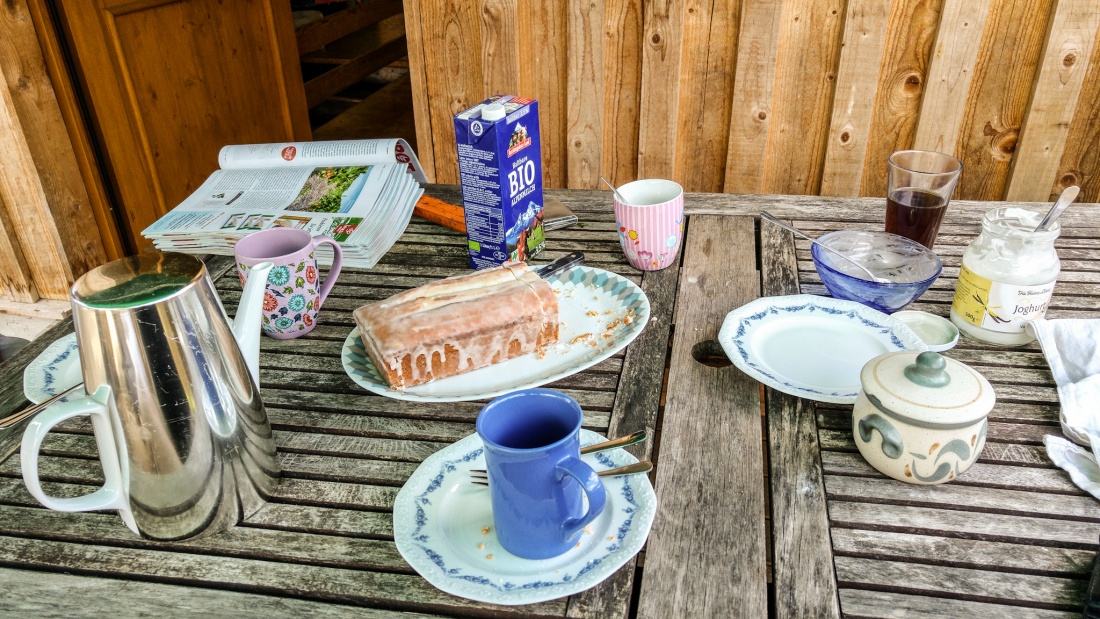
(478,315)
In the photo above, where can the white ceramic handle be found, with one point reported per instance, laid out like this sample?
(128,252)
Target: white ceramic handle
(111,495)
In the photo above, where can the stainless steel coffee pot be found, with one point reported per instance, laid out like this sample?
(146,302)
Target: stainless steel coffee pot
(182,434)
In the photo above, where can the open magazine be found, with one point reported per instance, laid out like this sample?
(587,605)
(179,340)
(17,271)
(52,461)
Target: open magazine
(359,192)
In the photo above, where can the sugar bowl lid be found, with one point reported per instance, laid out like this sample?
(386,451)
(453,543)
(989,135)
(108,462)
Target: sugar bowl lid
(927,387)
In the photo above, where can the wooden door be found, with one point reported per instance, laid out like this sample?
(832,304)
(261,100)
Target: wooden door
(167,83)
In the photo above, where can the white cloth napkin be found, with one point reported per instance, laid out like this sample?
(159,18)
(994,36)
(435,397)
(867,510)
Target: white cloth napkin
(1078,462)
(1071,349)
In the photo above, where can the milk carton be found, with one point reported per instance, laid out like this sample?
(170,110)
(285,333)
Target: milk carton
(500,169)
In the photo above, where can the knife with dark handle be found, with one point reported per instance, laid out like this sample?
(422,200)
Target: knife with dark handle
(567,261)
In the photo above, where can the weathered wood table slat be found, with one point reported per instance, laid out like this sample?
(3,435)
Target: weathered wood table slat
(764,503)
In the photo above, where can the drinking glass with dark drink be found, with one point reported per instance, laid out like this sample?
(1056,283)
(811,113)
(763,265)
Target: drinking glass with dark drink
(920,184)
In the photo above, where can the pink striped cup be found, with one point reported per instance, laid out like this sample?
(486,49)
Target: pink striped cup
(651,224)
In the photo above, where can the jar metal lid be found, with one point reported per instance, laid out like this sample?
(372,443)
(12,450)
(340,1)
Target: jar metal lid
(927,389)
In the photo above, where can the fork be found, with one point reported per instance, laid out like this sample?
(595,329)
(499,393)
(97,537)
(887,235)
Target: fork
(644,466)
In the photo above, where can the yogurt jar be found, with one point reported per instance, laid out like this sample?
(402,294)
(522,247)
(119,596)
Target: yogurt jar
(1007,277)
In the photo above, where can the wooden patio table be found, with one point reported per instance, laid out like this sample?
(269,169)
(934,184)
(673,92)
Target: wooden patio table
(764,505)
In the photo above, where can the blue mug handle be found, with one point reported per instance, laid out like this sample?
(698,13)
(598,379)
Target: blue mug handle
(593,488)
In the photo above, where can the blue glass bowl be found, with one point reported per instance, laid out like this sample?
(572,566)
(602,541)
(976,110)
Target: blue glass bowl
(909,266)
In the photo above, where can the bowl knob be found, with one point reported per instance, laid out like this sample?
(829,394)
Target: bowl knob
(930,370)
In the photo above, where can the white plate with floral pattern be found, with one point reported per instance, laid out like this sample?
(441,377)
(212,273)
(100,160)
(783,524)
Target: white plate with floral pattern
(809,346)
(54,371)
(443,527)
(600,312)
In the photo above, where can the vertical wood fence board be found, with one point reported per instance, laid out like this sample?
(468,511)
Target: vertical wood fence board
(854,100)
(707,67)
(952,70)
(500,47)
(1056,97)
(806,63)
(1003,77)
(751,110)
(453,60)
(543,45)
(1080,163)
(817,93)
(295,112)
(661,48)
(585,93)
(418,75)
(84,149)
(63,232)
(28,211)
(16,282)
(622,70)
(910,35)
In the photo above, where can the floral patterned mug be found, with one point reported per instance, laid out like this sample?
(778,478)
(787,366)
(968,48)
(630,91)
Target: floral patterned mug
(650,222)
(294,295)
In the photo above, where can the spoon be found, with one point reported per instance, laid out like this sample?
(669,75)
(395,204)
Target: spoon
(1069,194)
(768,217)
(618,196)
(615,443)
(645,466)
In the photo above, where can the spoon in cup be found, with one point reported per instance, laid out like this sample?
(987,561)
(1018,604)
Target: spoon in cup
(618,196)
(871,276)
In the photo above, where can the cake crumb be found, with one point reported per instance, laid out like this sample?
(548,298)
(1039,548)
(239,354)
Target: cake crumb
(485,530)
(592,313)
(580,338)
(489,557)
(607,312)
(481,546)
(578,545)
(611,537)
(588,530)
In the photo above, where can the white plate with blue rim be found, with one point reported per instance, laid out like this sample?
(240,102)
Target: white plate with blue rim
(54,371)
(809,346)
(443,527)
(600,312)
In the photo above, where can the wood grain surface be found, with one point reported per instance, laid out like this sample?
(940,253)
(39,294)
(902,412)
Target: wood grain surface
(42,186)
(802,568)
(778,96)
(1056,97)
(708,540)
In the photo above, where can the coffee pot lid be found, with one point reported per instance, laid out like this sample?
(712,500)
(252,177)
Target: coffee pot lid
(927,387)
(137,280)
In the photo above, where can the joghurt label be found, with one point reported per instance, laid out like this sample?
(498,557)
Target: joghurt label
(999,307)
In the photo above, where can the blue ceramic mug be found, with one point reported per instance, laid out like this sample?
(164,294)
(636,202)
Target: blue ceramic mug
(537,480)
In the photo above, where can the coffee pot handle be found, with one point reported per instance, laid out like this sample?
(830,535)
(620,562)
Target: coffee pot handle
(593,488)
(112,494)
(333,271)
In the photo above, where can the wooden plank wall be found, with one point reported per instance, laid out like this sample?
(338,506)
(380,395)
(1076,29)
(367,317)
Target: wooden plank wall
(49,222)
(775,96)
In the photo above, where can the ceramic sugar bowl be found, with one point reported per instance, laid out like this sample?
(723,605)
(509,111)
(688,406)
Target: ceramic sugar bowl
(921,417)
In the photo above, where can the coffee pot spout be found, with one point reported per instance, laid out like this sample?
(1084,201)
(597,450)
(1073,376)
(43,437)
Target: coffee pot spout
(246,324)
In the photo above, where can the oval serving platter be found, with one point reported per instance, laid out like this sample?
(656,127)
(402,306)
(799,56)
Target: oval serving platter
(600,313)
(809,346)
